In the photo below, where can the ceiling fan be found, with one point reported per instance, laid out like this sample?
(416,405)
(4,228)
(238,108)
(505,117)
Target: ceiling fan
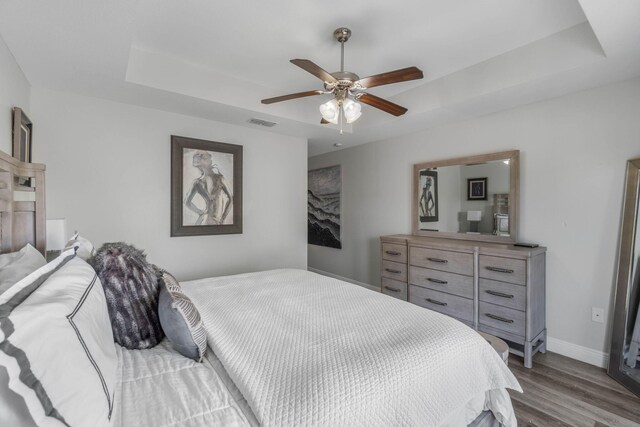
(348,88)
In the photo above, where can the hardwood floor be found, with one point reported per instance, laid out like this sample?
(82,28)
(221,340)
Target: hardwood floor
(559,391)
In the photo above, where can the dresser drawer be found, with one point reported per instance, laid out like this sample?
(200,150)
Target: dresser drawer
(394,270)
(394,288)
(394,252)
(455,262)
(504,294)
(451,305)
(502,318)
(450,283)
(503,269)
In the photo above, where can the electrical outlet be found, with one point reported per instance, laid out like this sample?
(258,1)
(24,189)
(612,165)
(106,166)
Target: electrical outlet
(597,314)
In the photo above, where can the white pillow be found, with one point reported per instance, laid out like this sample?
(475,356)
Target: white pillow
(57,346)
(85,247)
(17,265)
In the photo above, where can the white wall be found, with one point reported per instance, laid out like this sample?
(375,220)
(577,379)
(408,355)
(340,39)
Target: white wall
(108,174)
(573,156)
(14,92)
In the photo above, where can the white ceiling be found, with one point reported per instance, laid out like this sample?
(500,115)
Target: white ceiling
(218,59)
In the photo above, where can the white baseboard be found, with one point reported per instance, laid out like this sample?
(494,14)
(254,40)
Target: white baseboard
(344,279)
(574,351)
(578,352)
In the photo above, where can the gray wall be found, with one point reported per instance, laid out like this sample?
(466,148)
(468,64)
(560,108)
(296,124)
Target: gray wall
(14,92)
(108,174)
(573,154)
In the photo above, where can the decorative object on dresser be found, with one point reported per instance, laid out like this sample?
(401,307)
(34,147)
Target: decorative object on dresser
(495,288)
(206,187)
(22,135)
(323,207)
(624,362)
(458,192)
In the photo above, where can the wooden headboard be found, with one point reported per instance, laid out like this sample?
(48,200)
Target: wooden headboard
(22,205)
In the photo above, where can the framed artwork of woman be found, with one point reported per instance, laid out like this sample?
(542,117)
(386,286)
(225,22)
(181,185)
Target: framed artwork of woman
(206,187)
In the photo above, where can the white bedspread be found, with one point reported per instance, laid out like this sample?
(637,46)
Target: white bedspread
(159,387)
(306,349)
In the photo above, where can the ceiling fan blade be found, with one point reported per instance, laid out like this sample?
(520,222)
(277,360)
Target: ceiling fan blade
(292,96)
(382,104)
(397,76)
(312,68)
(323,121)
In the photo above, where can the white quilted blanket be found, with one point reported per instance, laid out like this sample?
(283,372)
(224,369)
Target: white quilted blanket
(308,350)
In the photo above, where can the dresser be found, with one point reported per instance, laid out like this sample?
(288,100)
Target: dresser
(494,288)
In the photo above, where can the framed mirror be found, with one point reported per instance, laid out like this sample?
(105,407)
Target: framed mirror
(624,360)
(471,198)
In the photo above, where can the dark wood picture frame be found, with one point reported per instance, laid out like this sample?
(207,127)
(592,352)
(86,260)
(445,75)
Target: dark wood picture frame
(424,196)
(178,198)
(22,136)
(477,189)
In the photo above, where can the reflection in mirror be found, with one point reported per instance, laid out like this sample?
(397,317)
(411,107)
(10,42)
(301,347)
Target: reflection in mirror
(468,197)
(624,365)
(630,364)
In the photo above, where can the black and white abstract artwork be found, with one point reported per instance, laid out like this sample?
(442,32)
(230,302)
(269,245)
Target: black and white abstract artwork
(325,188)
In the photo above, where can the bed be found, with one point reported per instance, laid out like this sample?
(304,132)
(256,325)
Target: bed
(285,347)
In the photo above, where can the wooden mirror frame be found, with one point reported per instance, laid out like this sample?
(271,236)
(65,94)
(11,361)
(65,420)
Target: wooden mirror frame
(626,257)
(514,195)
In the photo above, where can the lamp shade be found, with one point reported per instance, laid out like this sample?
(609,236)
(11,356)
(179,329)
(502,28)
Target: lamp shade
(56,234)
(474,215)
(330,111)
(352,110)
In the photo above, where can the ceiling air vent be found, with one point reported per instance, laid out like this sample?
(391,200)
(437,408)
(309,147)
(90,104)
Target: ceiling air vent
(261,122)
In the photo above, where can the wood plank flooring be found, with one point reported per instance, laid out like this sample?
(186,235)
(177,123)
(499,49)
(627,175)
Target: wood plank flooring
(559,391)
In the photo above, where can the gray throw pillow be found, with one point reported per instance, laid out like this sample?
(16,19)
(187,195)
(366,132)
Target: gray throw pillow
(131,287)
(180,319)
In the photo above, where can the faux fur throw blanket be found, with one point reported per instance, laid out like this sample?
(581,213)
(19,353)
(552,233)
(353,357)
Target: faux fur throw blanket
(131,287)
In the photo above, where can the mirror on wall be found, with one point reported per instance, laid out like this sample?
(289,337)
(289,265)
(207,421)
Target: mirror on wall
(473,198)
(624,363)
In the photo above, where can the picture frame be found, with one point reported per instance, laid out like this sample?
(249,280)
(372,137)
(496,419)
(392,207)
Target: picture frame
(324,207)
(477,189)
(206,187)
(428,195)
(22,136)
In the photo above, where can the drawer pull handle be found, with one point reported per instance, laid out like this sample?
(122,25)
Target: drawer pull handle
(498,294)
(502,319)
(436,302)
(390,270)
(439,282)
(441,261)
(392,252)
(392,289)
(500,270)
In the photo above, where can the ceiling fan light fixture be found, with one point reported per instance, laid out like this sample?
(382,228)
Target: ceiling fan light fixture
(330,111)
(352,110)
